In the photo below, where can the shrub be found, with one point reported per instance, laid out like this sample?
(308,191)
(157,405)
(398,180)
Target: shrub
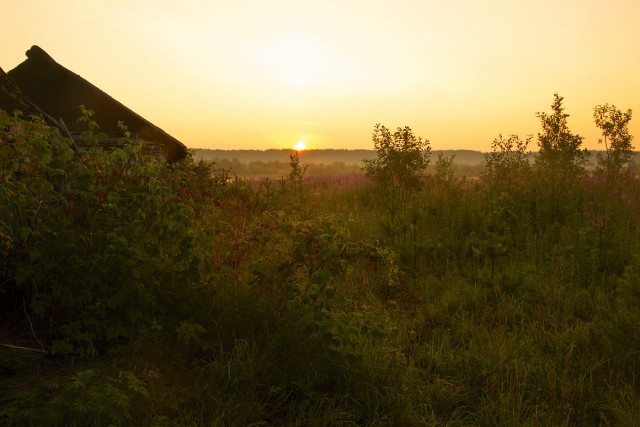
(617,140)
(402,159)
(96,243)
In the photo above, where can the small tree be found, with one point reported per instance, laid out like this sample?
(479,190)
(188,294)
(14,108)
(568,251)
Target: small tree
(443,169)
(560,159)
(617,140)
(508,162)
(296,171)
(560,151)
(401,162)
(398,170)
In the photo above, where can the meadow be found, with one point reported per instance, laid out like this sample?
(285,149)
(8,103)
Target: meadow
(405,294)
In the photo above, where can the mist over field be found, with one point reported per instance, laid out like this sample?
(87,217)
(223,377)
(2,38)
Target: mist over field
(275,162)
(327,156)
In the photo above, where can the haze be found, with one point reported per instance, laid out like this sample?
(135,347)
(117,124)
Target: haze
(270,74)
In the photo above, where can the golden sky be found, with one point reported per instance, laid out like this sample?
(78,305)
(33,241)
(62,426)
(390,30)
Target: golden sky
(264,74)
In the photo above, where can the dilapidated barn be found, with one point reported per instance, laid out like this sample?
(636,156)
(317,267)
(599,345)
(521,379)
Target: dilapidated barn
(41,86)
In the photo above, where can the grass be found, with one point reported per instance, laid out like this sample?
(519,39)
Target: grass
(324,305)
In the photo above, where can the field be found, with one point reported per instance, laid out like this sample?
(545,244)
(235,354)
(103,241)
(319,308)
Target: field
(139,293)
(275,163)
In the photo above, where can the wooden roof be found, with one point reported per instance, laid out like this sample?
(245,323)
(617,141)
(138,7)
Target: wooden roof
(60,92)
(12,98)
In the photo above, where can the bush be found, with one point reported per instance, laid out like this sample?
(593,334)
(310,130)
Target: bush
(95,244)
(402,159)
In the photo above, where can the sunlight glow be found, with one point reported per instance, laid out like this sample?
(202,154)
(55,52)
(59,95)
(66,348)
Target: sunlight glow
(299,60)
(300,146)
(268,74)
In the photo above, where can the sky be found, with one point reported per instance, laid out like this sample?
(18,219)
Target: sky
(267,74)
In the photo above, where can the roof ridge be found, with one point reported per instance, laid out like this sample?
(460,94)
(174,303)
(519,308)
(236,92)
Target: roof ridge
(38,52)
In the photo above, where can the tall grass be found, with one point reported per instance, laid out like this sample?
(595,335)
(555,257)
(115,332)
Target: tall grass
(270,303)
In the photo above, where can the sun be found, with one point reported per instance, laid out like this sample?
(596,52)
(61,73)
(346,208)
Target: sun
(300,146)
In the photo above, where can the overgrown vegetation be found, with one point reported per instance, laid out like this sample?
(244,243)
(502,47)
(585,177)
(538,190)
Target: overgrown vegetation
(138,293)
